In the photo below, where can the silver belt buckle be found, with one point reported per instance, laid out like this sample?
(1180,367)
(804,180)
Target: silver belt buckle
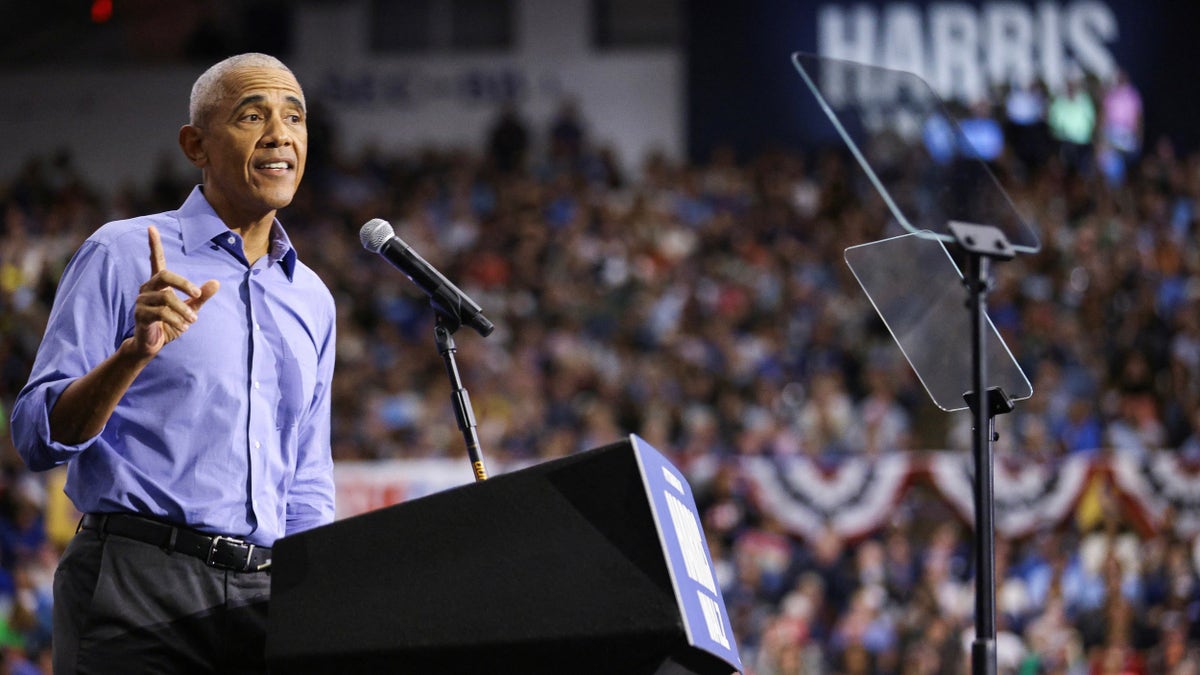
(212,551)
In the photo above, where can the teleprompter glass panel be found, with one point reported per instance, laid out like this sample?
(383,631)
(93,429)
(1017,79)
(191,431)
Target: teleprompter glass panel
(913,150)
(918,292)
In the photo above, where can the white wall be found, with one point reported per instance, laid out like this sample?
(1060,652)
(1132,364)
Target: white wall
(120,123)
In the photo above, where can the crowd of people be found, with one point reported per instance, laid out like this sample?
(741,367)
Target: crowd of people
(706,307)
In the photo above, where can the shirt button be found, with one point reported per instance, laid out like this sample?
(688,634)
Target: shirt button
(256,385)
(256,326)
(231,240)
(257,445)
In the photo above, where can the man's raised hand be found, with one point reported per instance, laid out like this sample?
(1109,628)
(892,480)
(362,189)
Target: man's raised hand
(161,315)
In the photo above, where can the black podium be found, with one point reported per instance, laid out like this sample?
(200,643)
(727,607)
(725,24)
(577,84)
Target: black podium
(593,563)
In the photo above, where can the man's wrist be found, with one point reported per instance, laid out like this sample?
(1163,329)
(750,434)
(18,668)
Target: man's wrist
(131,355)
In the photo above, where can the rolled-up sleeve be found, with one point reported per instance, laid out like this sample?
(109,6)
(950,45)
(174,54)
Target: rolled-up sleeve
(86,324)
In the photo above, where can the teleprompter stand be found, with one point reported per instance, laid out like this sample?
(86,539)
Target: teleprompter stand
(941,194)
(982,244)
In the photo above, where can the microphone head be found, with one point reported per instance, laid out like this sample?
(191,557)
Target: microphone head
(375,233)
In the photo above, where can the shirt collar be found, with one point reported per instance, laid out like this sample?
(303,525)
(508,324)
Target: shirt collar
(199,224)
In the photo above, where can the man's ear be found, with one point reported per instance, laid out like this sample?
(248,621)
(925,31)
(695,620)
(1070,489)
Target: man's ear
(191,140)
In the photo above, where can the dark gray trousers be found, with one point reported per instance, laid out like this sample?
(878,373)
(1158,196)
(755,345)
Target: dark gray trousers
(122,606)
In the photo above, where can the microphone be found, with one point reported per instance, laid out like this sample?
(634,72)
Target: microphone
(450,303)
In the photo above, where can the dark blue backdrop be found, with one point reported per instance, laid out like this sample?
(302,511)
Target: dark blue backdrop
(743,89)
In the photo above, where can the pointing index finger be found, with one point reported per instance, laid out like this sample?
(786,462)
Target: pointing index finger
(158,261)
(159,274)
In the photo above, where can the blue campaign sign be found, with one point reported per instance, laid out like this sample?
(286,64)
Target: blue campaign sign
(744,94)
(688,560)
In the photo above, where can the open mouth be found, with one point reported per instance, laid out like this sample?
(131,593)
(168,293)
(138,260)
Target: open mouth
(276,167)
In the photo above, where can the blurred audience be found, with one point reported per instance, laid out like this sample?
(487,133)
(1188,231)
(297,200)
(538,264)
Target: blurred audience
(706,307)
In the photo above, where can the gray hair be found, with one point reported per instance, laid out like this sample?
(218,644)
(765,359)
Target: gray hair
(210,86)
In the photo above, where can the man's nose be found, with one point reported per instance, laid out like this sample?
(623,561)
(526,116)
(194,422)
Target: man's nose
(276,134)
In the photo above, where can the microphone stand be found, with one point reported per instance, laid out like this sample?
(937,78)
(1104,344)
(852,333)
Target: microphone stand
(444,337)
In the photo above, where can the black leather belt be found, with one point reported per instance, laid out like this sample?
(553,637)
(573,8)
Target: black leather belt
(227,553)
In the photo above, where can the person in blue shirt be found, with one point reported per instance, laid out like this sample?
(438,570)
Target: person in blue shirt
(184,378)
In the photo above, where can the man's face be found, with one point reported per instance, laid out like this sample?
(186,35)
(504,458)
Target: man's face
(253,145)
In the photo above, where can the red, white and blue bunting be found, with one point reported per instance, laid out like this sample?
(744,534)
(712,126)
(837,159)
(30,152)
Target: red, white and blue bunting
(857,496)
(852,498)
(1029,496)
(1161,487)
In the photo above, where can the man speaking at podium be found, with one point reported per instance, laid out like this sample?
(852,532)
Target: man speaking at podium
(184,378)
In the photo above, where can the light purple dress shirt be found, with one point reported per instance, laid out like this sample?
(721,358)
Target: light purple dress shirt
(227,429)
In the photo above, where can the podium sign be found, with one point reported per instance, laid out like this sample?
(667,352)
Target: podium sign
(593,563)
(688,559)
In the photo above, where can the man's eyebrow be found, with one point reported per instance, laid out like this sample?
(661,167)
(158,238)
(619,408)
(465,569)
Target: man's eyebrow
(250,100)
(259,98)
